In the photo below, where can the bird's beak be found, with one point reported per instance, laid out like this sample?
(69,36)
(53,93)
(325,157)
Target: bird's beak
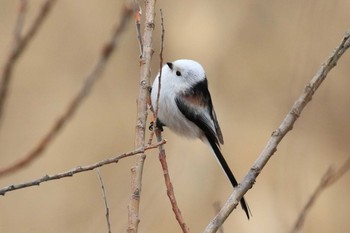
(170,65)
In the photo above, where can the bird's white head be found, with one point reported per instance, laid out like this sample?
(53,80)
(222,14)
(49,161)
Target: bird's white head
(182,74)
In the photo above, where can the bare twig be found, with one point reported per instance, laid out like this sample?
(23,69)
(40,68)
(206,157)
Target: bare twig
(277,135)
(141,121)
(84,91)
(169,185)
(155,113)
(19,45)
(138,28)
(104,200)
(162,155)
(330,177)
(76,170)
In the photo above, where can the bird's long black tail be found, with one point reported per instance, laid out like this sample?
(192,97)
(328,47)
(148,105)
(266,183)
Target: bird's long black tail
(229,173)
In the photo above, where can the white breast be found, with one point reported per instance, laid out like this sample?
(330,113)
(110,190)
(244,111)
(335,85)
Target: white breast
(169,114)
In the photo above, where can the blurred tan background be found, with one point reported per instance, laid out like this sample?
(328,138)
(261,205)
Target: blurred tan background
(258,56)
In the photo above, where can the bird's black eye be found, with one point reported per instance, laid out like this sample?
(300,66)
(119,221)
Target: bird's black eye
(178,73)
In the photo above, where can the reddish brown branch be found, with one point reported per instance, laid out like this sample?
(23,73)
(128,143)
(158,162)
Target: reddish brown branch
(90,80)
(169,185)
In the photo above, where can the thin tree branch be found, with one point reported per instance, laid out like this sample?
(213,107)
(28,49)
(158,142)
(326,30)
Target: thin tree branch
(217,207)
(155,113)
(104,200)
(330,177)
(19,46)
(162,155)
(141,121)
(76,170)
(138,28)
(277,135)
(84,91)
(169,185)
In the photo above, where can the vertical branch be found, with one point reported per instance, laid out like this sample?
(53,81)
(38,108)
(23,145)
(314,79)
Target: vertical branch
(104,200)
(140,129)
(155,113)
(138,28)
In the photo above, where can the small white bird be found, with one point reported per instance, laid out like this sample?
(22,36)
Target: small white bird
(185,107)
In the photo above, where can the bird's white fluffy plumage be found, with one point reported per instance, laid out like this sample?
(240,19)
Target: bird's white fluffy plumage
(186,108)
(173,86)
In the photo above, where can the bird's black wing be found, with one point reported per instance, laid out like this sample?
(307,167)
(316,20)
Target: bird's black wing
(199,97)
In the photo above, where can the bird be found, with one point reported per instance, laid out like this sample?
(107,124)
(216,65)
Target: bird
(185,107)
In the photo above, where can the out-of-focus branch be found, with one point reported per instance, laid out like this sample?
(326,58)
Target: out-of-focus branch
(76,170)
(19,45)
(18,30)
(329,178)
(169,185)
(277,135)
(84,91)
(140,129)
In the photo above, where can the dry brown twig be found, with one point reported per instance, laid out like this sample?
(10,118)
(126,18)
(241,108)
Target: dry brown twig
(330,177)
(104,200)
(277,135)
(140,129)
(157,132)
(84,91)
(76,170)
(169,185)
(19,45)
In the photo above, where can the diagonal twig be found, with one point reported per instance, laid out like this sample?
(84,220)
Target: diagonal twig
(19,46)
(330,177)
(277,135)
(76,170)
(217,207)
(84,91)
